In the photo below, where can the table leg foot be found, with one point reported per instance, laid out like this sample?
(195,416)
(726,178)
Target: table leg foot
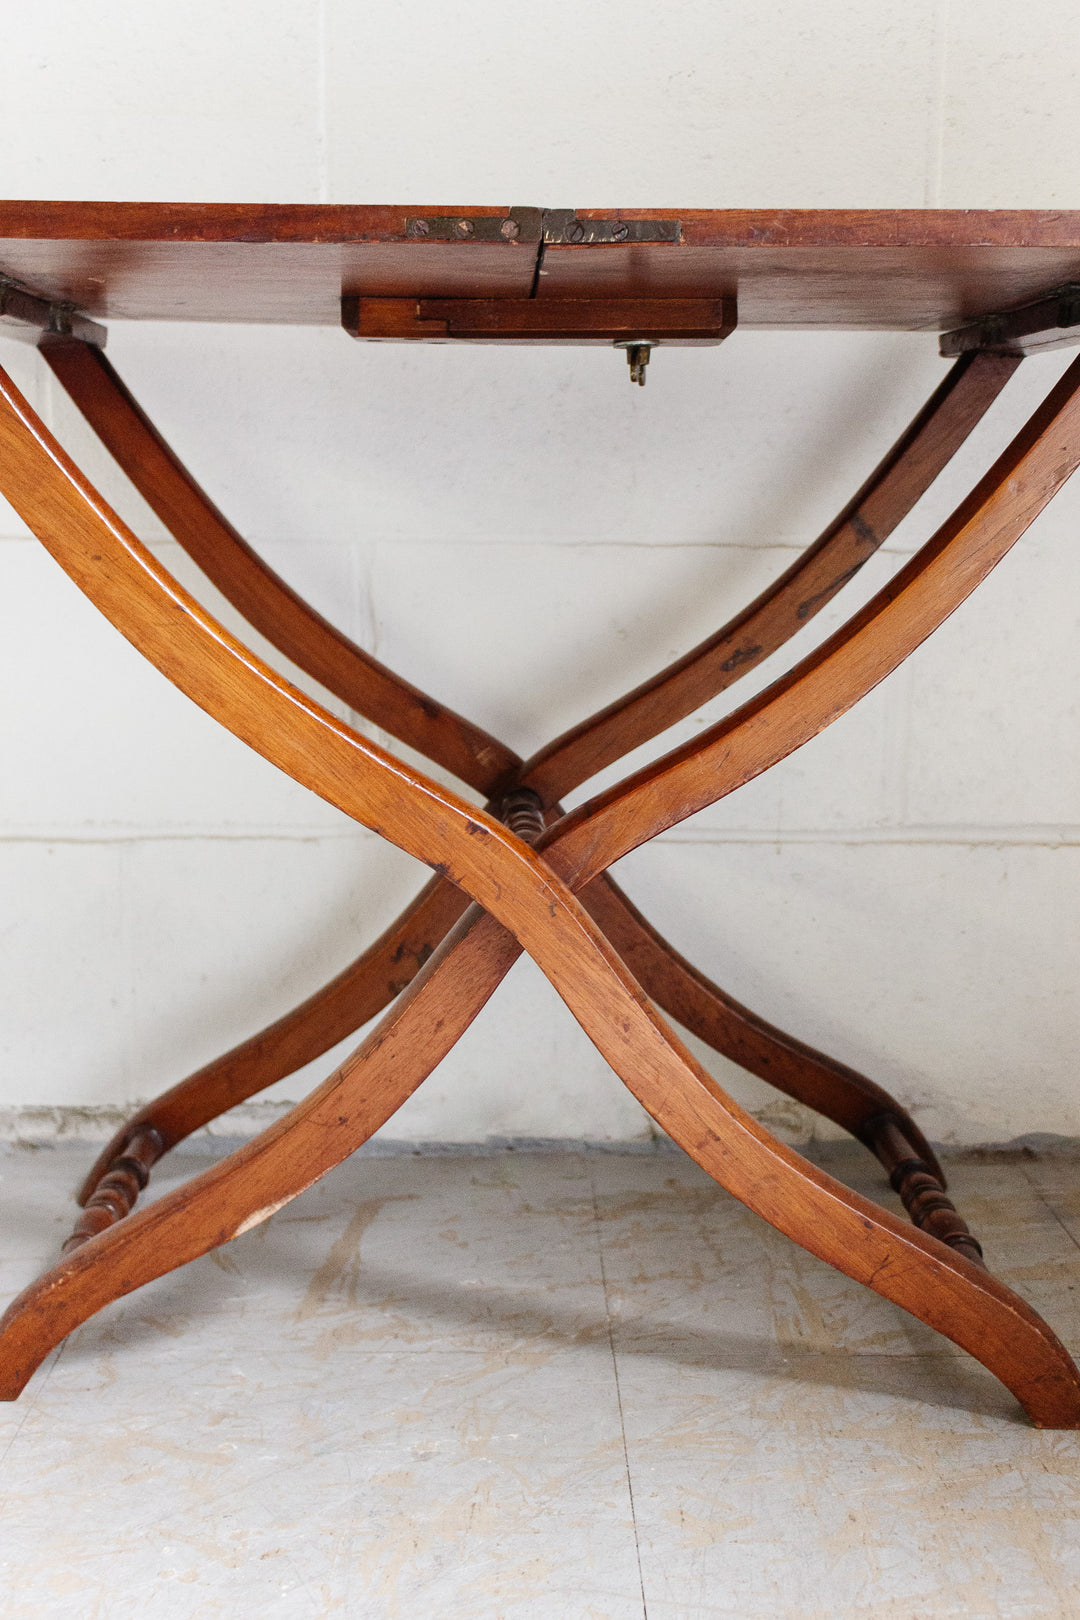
(249,1185)
(934,1282)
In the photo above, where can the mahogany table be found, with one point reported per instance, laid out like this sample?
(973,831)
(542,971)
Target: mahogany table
(521,874)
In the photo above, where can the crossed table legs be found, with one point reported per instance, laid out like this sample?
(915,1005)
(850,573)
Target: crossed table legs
(524,877)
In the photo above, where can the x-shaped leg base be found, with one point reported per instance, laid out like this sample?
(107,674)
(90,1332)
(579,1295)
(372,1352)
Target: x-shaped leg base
(536,878)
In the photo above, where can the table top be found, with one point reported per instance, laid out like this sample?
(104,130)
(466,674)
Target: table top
(886,269)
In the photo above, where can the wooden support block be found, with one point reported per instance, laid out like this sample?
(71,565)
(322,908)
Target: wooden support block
(682,321)
(1052,322)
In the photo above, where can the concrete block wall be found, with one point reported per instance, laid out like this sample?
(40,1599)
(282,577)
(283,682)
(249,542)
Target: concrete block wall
(526,536)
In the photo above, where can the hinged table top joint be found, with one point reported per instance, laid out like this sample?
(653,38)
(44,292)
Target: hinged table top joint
(547,227)
(929,270)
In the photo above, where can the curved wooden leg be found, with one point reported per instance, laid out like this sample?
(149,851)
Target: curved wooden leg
(371,982)
(901,1263)
(334,1012)
(367,986)
(902,477)
(780,719)
(360,992)
(770,621)
(527,896)
(265,601)
(917,1272)
(830,1088)
(250,1184)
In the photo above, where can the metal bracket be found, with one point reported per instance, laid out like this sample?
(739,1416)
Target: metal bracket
(554,227)
(522,225)
(24,314)
(1050,322)
(563,227)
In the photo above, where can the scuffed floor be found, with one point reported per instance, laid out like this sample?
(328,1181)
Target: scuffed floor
(550,1386)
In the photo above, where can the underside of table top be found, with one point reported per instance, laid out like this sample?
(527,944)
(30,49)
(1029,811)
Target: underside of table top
(899,270)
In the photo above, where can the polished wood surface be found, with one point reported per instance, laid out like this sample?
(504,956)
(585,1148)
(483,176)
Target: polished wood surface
(359,993)
(522,895)
(906,269)
(684,323)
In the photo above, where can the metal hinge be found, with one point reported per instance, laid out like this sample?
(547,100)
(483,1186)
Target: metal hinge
(24,313)
(553,227)
(562,225)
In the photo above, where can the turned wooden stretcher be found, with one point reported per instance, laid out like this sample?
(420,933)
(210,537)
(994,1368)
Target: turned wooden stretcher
(521,874)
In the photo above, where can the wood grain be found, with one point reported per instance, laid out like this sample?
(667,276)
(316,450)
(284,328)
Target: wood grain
(678,322)
(832,1089)
(895,269)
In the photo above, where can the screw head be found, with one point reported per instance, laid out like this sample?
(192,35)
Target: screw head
(509,228)
(575,231)
(464,227)
(620,232)
(420,227)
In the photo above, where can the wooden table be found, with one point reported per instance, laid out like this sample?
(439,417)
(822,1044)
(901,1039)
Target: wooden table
(520,874)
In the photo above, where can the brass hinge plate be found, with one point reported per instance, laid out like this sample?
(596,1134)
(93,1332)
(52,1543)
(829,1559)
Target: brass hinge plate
(552,227)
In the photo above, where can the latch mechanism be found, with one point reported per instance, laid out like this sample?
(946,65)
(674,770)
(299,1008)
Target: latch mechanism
(637,324)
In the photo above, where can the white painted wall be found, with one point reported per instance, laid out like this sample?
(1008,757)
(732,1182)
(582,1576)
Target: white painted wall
(525,535)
